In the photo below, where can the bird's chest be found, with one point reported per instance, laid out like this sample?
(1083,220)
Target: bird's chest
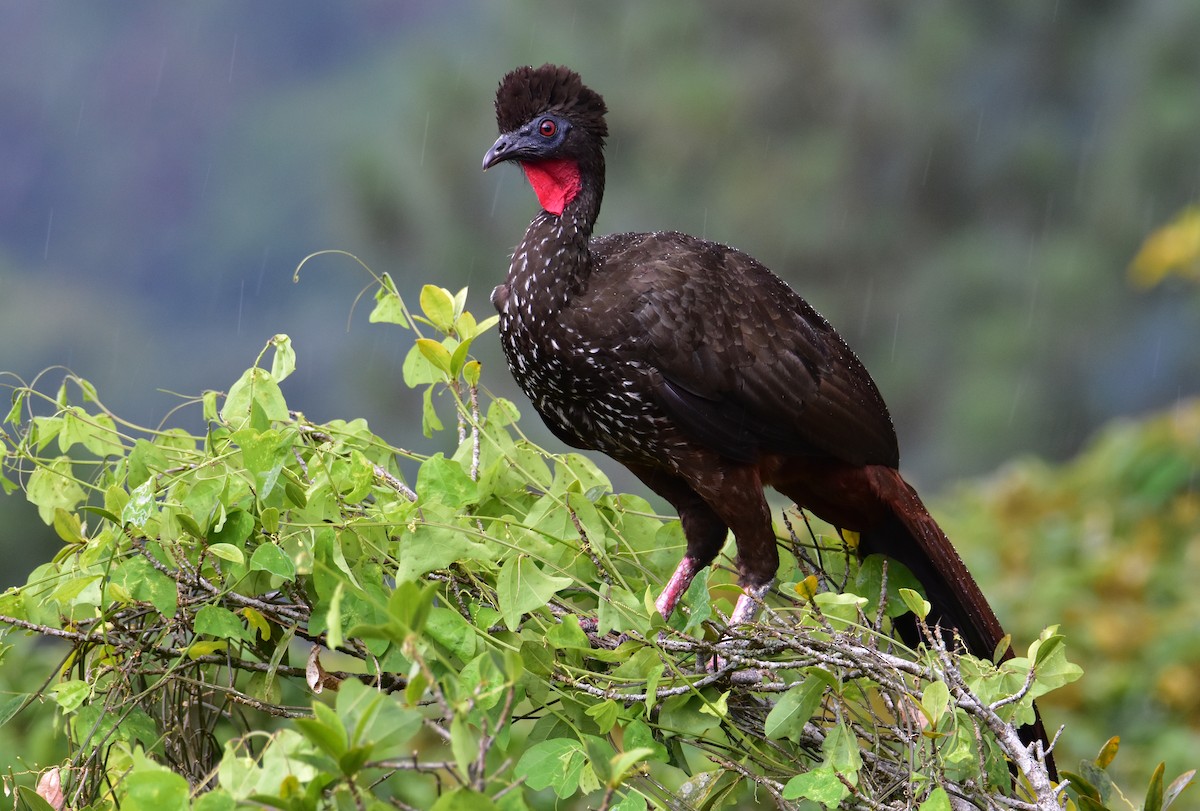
(545,355)
(581,386)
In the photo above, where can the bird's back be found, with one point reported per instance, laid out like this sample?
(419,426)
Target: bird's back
(730,352)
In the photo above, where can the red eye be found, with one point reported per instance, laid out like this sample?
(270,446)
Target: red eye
(547,128)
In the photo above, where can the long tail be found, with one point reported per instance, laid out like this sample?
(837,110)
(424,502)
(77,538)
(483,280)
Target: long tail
(911,536)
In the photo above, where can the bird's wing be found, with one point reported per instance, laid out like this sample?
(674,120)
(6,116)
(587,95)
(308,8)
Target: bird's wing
(736,357)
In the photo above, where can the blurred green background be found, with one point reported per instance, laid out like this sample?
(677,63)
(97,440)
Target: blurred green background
(959,188)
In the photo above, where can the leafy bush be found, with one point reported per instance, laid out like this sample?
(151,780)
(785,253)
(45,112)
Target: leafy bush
(270,613)
(1109,543)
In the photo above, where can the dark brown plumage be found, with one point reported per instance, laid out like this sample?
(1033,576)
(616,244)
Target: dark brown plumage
(701,371)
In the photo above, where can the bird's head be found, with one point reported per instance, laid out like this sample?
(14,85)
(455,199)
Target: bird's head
(553,126)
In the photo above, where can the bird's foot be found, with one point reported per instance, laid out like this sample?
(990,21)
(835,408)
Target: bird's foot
(745,611)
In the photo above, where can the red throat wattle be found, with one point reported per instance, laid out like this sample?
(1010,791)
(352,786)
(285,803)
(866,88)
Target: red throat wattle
(555,182)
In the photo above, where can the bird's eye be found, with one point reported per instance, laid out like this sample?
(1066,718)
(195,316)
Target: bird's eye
(547,128)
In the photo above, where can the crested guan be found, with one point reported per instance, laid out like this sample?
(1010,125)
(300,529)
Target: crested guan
(702,372)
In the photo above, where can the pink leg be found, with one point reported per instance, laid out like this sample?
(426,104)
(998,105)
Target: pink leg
(685,572)
(749,604)
(744,611)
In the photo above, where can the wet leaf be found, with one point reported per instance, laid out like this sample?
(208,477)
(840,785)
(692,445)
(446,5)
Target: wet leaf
(521,587)
(438,305)
(794,709)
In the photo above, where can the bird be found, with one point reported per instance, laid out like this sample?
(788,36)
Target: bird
(702,372)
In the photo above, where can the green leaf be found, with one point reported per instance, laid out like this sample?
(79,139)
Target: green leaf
(96,432)
(325,731)
(430,423)
(70,695)
(486,324)
(935,700)
(632,802)
(1045,648)
(264,453)
(18,404)
(233,531)
(215,800)
(638,735)
(567,635)
(389,308)
(33,800)
(794,708)
(841,609)
(938,800)
(213,620)
(451,631)
(145,584)
(436,354)
(334,631)
(1053,670)
(79,590)
(438,305)
(521,587)
(841,751)
(870,578)
(464,743)
(820,785)
(459,357)
(623,762)
(11,705)
(417,369)
(915,602)
(463,799)
(268,557)
(554,763)
(145,460)
(140,506)
(605,714)
(410,605)
(54,486)
(254,388)
(435,546)
(444,480)
(284,361)
(717,709)
(1154,792)
(227,551)
(154,790)
(68,526)
(502,412)
(1080,785)
(377,719)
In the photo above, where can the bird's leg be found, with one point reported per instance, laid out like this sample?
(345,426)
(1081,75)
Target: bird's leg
(702,527)
(735,497)
(671,594)
(749,604)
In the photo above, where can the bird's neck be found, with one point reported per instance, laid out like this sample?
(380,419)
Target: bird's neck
(552,263)
(568,188)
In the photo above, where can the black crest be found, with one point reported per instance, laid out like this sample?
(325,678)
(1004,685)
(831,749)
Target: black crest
(528,91)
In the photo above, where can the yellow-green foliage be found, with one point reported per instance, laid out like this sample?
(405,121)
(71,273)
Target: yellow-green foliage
(1108,545)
